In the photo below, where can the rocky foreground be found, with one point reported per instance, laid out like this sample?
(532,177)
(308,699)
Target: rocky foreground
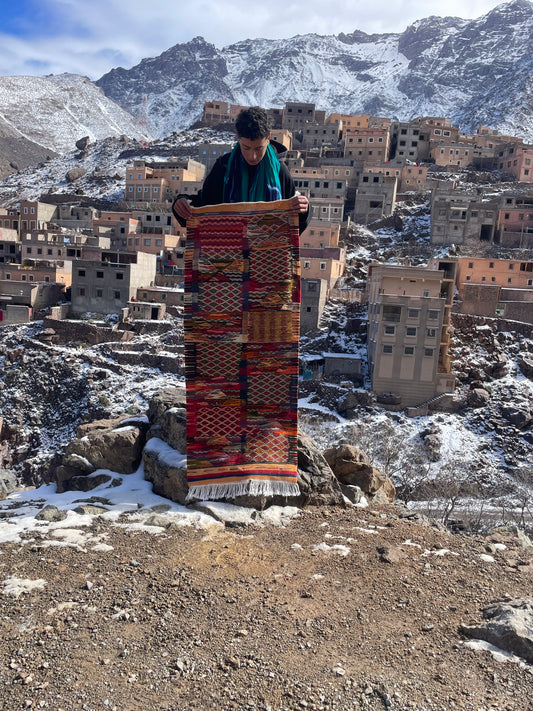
(356,608)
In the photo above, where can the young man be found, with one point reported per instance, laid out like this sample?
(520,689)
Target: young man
(252,172)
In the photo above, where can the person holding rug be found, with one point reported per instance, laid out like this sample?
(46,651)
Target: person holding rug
(252,172)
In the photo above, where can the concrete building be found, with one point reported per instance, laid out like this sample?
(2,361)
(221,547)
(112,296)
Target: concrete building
(10,247)
(158,183)
(296,114)
(38,271)
(319,234)
(450,153)
(514,225)
(409,311)
(517,160)
(316,135)
(208,153)
(375,197)
(106,286)
(367,145)
(462,217)
(409,141)
(330,210)
(314,296)
(21,301)
(508,273)
(327,263)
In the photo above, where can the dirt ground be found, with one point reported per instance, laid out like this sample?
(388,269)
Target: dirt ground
(342,609)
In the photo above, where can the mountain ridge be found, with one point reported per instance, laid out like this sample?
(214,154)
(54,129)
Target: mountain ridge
(437,66)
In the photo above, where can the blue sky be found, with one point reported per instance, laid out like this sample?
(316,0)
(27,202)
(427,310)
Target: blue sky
(91,37)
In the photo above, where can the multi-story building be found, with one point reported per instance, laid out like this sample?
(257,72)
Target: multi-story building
(319,234)
(158,183)
(349,121)
(509,273)
(517,160)
(499,288)
(327,263)
(314,297)
(108,285)
(375,197)
(296,114)
(409,311)
(409,141)
(320,186)
(328,209)
(208,153)
(462,217)
(450,153)
(366,145)
(515,221)
(37,270)
(316,135)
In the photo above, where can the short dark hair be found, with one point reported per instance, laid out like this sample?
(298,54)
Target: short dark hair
(253,123)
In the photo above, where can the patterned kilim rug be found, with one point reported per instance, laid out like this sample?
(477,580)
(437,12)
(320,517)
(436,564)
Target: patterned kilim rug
(242,317)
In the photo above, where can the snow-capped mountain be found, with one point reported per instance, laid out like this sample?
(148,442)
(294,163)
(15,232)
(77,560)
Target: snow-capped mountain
(475,72)
(53,112)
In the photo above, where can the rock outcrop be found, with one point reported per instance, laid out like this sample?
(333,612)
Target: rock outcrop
(352,467)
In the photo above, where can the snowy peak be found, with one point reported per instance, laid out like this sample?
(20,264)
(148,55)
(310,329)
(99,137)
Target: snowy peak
(437,66)
(56,111)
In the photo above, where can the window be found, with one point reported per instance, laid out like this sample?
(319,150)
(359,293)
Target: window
(116,294)
(49,251)
(428,352)
(387,348)
(99,275)
(431,332)
(409,350)
(410,331)
(81,291)
(8,276)
(99,293)
(491,265)
(307,265)
(413,313)
(81,272)
(392,313)
(510,280)
(323,266)
(470,265)
(425,293)
(433,314)
(389,330)
(28,250)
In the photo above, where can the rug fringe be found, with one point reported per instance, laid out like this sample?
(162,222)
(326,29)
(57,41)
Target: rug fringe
(248,487)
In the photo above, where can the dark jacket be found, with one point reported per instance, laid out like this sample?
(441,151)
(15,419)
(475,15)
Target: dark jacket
(213,187)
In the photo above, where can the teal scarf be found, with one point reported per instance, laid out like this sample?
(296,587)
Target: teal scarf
(264,186)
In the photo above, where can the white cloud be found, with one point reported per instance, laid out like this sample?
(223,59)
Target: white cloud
(91,38)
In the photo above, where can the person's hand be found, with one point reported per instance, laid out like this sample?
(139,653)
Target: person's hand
(183,208)
(299,203)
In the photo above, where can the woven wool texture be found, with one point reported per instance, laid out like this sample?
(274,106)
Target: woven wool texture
(242,314)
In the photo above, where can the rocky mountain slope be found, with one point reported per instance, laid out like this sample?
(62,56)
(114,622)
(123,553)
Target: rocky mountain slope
(476,72)
(41,116)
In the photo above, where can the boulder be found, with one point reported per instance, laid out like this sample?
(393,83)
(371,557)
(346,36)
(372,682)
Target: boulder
(165,400)
(74,174)
(346,461)
(352,467)
(508,626)
(518,416)
(83,143)
(51,514)
(166,469)
(101,446)
(525,363)
(478,397)
(318,485)
(8,483)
